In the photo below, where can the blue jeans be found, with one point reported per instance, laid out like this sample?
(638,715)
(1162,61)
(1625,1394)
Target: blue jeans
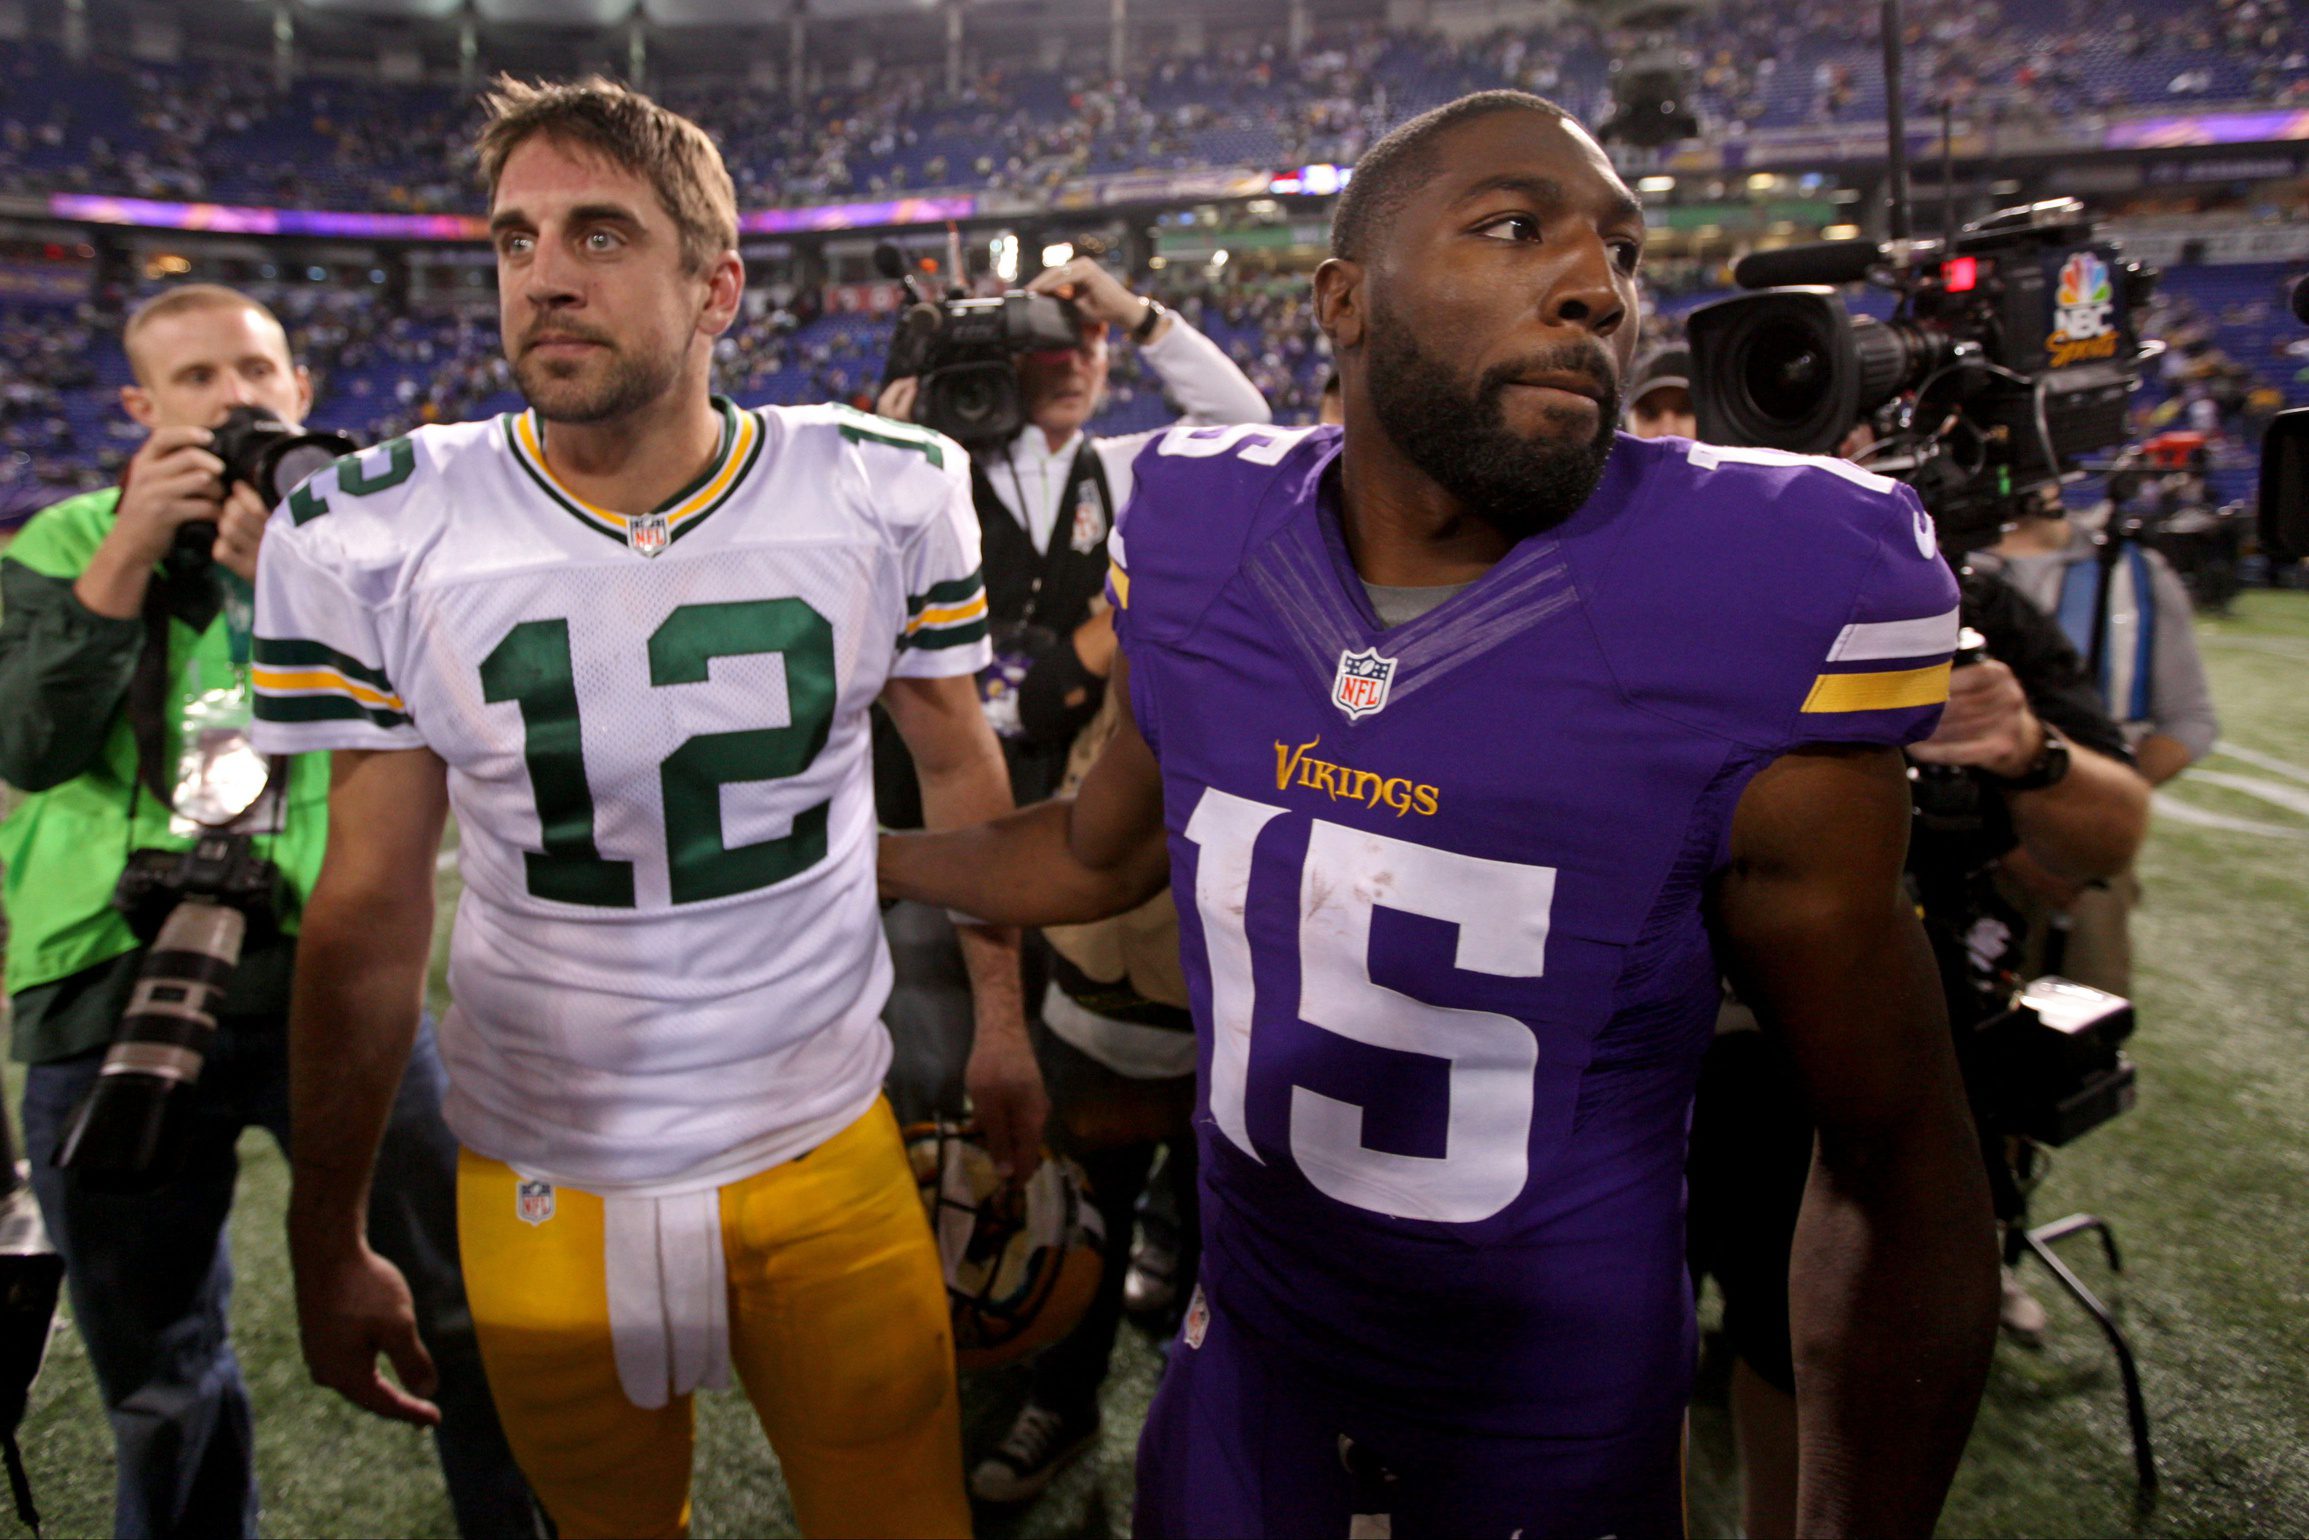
(150,1276)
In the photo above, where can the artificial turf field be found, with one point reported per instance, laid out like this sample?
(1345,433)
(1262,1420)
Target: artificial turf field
(2205,1182)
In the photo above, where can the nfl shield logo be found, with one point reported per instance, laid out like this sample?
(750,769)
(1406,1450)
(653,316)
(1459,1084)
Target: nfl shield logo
(1089,522)
(647,533)
(1361,686)
(533,1202)
(1198,1322)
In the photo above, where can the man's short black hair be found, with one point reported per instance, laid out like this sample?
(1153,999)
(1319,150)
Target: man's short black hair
(1392,169)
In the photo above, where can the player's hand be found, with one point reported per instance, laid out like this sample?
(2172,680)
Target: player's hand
(1094,644)
(1005,1086)
(1095,291)
(897,398)
(349,1310)
(1988,724)
(172,480)
(240,529)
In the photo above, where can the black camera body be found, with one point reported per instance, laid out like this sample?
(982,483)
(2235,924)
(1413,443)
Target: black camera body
(219,868)
(965,351)
(2017,346)
(270,456)
(260,449)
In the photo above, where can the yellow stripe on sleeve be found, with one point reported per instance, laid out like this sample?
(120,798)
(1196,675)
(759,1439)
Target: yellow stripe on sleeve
(1886,690)
(946,615)
(324,679)
(1121,581)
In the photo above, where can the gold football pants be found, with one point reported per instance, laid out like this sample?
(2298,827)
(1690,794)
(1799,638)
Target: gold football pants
(837,1327)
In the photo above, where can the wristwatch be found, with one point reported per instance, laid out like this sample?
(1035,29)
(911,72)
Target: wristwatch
(1155,311)
(2051,763)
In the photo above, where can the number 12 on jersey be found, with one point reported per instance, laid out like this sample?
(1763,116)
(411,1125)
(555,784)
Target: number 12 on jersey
(1501,911)
(532,668)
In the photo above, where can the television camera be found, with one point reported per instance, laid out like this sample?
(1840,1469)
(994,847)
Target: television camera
(964,351)
(2010,356)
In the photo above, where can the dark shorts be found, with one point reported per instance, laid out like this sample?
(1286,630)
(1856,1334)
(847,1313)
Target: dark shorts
(1240,1443)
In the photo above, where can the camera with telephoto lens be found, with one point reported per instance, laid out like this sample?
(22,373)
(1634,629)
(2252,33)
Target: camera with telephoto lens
(2012,353)
(270,456)
(964,352)
(196,908)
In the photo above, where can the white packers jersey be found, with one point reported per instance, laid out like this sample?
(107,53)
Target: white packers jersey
(668,965)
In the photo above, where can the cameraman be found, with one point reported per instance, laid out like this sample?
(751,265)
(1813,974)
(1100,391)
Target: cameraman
(2127,612)
(2026,749)
(124,646)
(1048,496)
(1046,500)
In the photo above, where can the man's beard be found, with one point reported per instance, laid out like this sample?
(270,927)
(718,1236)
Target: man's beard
(1459,436)
(627,384)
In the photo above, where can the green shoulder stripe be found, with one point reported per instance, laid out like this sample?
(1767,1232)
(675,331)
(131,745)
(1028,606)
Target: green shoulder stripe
(324,708)
(927,640)
(294,652)
(945,593)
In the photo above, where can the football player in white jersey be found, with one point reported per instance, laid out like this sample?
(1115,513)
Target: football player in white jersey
(630,637)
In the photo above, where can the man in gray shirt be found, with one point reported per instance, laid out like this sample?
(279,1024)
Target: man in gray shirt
(2153,682)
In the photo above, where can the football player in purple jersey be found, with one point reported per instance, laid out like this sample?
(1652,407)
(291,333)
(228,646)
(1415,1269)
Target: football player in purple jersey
(1475,738)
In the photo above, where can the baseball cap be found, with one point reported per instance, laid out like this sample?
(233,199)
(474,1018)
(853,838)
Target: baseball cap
(1663,368)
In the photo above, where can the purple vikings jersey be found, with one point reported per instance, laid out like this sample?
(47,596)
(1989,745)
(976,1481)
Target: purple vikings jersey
(1440,893)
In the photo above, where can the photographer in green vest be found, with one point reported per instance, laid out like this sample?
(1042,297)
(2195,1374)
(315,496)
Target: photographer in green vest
(124,712)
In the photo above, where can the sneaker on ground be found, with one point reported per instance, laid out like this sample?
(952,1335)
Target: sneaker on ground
(1038,1446)
(2018,1311)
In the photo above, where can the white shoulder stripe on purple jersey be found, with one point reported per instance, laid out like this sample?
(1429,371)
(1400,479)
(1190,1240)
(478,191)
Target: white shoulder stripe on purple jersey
(1927,637)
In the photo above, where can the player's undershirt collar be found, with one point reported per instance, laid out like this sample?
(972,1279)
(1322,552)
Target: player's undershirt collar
(741,446)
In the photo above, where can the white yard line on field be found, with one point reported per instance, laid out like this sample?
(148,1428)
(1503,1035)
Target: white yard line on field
(2260,761)
(2275,646)
(2293,799)
(2181,812)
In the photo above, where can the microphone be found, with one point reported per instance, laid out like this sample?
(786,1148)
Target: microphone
(890,262)
(1810,262)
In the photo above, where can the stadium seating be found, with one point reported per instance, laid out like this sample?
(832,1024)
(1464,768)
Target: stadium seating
(216,133)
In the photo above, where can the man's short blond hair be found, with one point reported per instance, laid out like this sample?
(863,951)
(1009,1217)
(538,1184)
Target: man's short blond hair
(186,297)
(630,131)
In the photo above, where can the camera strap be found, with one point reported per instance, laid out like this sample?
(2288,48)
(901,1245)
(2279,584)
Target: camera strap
(219,781)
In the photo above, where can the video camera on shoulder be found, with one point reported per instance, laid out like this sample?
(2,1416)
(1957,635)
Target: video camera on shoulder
(195,909)
(964,351)
(2012,354)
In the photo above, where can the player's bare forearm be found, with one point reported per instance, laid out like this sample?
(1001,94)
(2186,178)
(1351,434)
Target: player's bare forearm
(1019,870)
(1064,862)
(366,936)
(1892,1292)
(2089,825)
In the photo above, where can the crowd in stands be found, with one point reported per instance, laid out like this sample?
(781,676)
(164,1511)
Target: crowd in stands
(2233,359)
(223,133)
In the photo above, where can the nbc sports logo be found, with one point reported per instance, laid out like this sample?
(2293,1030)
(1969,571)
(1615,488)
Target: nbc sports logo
(1360,686)
(2082,306)
(2084,280)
